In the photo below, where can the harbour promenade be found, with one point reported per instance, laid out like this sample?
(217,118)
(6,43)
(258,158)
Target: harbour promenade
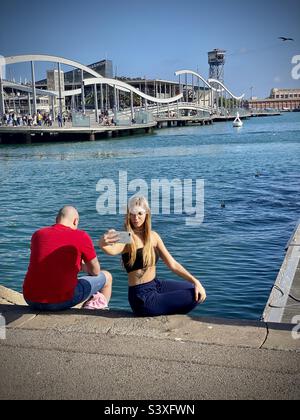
(34,134)
(113,355)
(133,108)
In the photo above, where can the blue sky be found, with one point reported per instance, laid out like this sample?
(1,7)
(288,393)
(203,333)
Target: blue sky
(156,38)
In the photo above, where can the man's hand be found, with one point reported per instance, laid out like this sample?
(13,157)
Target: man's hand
(92,268)
(84,267)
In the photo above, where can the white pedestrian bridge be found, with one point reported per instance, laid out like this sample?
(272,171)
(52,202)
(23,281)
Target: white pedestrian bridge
(206,99)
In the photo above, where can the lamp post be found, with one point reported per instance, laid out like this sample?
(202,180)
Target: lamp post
(146,92)
(2,105)
(19,110)
(33,87)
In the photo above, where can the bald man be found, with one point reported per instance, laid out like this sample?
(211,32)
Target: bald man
(58,254)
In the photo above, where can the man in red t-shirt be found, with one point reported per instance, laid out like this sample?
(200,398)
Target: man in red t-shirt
(58,254)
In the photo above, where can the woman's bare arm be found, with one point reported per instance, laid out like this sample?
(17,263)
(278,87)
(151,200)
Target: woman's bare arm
(178,269)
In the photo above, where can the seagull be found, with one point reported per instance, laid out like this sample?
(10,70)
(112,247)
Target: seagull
(284,39)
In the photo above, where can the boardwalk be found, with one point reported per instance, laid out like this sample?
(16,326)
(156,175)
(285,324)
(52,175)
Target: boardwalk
(12,135)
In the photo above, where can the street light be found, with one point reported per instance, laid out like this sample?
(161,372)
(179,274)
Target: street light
(18,95)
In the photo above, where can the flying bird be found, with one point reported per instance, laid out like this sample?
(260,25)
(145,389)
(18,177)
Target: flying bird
(284,39)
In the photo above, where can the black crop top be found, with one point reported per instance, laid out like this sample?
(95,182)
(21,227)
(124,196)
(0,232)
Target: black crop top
(139,262)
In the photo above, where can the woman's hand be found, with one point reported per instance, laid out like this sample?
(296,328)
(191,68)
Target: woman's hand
(109,238)
(109,243)
(200,293)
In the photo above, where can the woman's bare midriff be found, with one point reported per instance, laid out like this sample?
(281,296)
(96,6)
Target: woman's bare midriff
(141,276)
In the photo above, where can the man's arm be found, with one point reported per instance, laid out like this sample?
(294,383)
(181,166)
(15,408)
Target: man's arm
(92,267)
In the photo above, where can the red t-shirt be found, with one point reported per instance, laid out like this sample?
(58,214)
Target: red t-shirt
(55,261)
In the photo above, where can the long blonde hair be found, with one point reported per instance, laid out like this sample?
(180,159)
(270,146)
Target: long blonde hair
(148,253)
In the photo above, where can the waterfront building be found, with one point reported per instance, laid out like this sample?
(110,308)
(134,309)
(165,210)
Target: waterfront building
(54,84)
(103,67)
(19,103)
(279,99)
(73,79)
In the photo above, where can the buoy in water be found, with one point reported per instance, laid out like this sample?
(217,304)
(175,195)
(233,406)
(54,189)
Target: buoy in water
(238,122)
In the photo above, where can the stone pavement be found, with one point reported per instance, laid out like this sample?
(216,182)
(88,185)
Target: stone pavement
(112,355)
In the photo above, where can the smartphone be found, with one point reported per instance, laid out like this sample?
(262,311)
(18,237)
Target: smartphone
(124,237)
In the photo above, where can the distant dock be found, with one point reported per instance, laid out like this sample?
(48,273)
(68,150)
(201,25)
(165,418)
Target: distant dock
(252,114)
(265,114)
(183,121)
(28,135)
(196,120)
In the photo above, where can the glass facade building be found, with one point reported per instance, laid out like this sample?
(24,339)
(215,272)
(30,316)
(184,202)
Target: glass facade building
(104,68)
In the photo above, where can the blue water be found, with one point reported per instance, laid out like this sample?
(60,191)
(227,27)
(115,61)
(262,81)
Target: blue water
(237,251)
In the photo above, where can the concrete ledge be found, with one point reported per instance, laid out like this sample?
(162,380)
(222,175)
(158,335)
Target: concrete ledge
(222,332)
(10,297)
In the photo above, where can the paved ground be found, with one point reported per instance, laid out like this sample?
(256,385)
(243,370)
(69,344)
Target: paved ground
(112,355)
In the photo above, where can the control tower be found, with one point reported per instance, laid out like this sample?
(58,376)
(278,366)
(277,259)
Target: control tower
(216,61)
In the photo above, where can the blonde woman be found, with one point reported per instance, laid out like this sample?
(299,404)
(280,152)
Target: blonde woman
(149,296)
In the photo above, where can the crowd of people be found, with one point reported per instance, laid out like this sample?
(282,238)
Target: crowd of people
(46,119)
(14,120)
(39,119)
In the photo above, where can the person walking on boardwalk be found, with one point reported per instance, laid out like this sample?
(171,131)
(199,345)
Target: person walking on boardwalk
(149,296)
(58,254)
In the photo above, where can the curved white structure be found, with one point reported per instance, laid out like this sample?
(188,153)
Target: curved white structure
(129,88)
(238,98)
(208,83)
(98,79)
(175,107)
(49,58)
(183,72)
(28,89)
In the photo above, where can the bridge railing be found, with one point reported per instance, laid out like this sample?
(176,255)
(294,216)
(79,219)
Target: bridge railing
(80,120)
